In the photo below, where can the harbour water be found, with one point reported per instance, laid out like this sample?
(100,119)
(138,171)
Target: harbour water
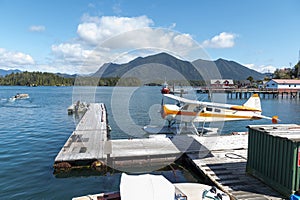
(33,130)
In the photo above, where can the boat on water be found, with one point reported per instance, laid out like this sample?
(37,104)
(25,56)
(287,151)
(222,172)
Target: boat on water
(78,107)
(167,90)
(19,96)
(157,187)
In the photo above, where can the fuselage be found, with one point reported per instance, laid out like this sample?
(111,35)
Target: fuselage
(195,113)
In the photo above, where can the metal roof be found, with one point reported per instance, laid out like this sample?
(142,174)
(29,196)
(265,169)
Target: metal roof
(286,81)
(289,131)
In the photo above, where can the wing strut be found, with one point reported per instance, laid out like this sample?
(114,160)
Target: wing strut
(192,121)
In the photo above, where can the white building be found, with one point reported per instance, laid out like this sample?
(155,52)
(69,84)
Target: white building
(221,83)
(283,84)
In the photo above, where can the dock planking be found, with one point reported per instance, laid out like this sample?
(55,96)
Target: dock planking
(221,158)
(87,142)
(226,167)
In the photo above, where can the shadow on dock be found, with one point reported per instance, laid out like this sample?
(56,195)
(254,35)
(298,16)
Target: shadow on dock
(244,186)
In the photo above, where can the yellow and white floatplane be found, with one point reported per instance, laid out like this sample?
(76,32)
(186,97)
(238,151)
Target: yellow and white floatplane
(188,111)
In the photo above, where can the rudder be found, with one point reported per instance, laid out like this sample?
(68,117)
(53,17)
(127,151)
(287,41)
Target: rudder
(253,102)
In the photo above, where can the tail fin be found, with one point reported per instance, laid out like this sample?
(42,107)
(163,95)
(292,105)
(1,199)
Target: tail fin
(253,102)
(275,119)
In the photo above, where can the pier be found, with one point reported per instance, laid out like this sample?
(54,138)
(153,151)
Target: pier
(89,146)
(222,159)
(245,93)
(88,142)
(225,166)
(263,93)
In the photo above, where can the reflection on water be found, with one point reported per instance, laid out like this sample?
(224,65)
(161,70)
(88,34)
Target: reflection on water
(32,132)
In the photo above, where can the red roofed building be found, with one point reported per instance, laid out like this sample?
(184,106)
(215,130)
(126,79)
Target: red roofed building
(283,84)
(221,83)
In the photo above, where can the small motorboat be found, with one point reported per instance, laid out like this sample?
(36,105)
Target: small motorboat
(19,96)
(149,187)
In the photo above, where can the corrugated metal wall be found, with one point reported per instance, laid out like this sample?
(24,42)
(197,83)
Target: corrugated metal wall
(274,160)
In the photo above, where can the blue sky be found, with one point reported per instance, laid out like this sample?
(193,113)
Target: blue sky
(79,36)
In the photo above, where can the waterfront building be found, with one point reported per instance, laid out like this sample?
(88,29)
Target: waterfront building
(221,83)
(283,84)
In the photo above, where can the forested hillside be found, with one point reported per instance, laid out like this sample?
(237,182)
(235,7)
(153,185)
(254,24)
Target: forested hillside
(50,79)
(35,79)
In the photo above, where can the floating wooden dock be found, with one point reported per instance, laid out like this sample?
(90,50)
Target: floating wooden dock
(225,165)
(87,143)
(88,146)
(221,158)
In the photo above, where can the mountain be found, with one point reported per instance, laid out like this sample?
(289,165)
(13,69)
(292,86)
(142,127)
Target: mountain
(234,69)
(226,69)
(164,66)
(6,72)
(158,66)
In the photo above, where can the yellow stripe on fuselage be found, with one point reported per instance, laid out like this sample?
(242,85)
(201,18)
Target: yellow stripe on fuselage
(244,108)
(167,112)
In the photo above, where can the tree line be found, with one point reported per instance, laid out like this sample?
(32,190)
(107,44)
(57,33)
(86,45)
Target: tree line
(35,79)
(288,73)
(51,79)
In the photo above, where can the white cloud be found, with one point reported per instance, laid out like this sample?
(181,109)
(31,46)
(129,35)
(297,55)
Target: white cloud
(10,59)
(77,59)
(37,28)
(95,30)
(184,40)
(150,38)
(67,50)
(122,48)
(261,68)
(114,39)
(223,40)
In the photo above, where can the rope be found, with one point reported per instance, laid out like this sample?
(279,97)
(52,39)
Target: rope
(234,154)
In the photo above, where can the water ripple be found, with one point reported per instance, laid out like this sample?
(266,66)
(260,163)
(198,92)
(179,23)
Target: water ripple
(33,131)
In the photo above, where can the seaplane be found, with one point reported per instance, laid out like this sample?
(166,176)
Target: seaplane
(186,111)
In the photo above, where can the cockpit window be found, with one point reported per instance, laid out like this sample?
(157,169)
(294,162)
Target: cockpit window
(217,110)
(209,109)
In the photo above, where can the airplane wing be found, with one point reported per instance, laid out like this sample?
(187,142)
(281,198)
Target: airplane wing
(183,100)
(195,102)
(217,105)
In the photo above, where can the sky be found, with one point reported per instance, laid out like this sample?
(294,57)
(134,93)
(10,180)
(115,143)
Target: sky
(79,36)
